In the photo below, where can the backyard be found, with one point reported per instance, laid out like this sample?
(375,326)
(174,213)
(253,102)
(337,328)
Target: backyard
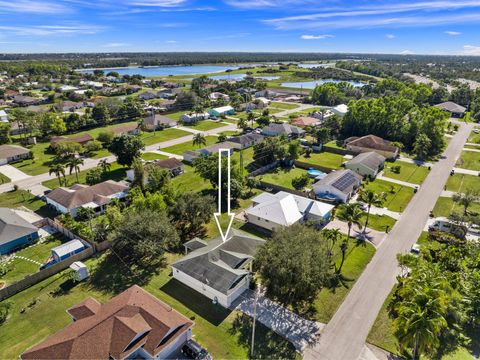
(397,196)
(40,311)
(206,125)
(283,177)
(325,159)
(409,172)
(179,149)
(469,160)
(150,138)
(19,198)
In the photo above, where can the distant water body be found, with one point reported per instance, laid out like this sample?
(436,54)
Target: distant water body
(312,84)
(167,70)
(240,77)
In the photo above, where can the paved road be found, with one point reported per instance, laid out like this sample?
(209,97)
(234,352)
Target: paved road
(300,107)
(344,336)
(35,181)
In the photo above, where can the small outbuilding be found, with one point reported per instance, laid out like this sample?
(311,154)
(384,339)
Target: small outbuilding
(64,251)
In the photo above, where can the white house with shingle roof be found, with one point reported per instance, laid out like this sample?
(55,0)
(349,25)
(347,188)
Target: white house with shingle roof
(367,164)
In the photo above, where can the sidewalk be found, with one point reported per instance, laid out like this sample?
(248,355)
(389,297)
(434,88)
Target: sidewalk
(466,171)
(395,181)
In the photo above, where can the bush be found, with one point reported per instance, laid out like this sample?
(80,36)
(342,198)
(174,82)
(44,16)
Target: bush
(92,146)
(106,137)
(300,182)
(396,169)
(4,311)
(93,176)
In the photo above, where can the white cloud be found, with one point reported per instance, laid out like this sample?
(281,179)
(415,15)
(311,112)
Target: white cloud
(262,4)
(390,36)
(171,41)
(46,30)
(114,45)
(158,3)
(316,37)
(29,6)
(471,50)
(406,52)
(453,33)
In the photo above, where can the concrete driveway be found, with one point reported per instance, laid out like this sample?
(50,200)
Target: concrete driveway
(13,173)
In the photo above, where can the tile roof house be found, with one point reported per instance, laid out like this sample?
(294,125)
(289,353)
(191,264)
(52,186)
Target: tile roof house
(283,209)
(372,143)
(174,166)
(133,325)
(367,164)
(69,200)
(15,231)
(189,156)
(303,121)
(11,153)
(338,185)
(275,129)
(126,129)
(220,270)
(454,109)
(81,139)
(157,122)
(245,141)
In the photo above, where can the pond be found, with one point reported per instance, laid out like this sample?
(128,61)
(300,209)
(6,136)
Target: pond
(313,84)
(167,70)
(311,66)
(237,77)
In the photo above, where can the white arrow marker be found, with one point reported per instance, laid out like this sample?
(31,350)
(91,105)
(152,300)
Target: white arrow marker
(219,213)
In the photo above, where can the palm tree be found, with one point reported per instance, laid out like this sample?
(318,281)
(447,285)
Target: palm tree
(104,165)
(58,170)
(332,236)
(251,117)
(73,164)
(199,140)
(466,199)
(351,214)
(242,124)
(371,198)
(343,248)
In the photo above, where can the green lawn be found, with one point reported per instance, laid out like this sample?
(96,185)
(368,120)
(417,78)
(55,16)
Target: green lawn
(283,106)
(445,206)
(176,115)
(379,222)
(397,196)
(40,162)
(333,144)
(40,311)
(462,182)
(18,268)
(328,300)
(206,125)
(153,156)
(469,160)
(4,179)
(117,173)
(326,159)
(150,138)
(283,177)
(408,172)
(474,138)
(19,198)
(381,333)
(181,148)
(189,181)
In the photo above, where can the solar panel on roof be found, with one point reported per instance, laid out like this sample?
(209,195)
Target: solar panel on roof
(345,181)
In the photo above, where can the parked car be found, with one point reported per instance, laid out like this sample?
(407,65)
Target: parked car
(415,249)
(194,350)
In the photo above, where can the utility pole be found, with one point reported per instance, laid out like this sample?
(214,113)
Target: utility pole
(254,322)
(241,159)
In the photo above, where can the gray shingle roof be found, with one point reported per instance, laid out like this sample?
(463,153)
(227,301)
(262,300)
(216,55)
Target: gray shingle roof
(451,107)
(13,226)
(371,160)
(244,139)
(7,151)
(218,264)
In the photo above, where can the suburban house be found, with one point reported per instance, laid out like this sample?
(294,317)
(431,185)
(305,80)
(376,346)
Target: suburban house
(303,121)
(218,96)
(69,106)
(338,185)
(148,96)
(26,100)
(194,117)
(261,102)
(275,129)
(81,139)
(151,123)
(269,94)
(96,197)
(222,111)
(367,164)
(370,143)
(189,156)
(174,166)
(340,110)
(454,109)
(127,129)
(10,94)
(131,325)
(15,231)
(12,153)
(271,212)
(245,141)
(220,270)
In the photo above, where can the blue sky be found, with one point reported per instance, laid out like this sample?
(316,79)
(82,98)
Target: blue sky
(374,26)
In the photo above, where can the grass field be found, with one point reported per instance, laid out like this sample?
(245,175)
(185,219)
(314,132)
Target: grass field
(150,138)
(462,182)
(328,300)
(469,160)
(474,138)
(283,106)
(326,159)
(283,177)
(40,311)
(189,181)
(397,196)
(4,179)
(408,172)
(181,148)
(445,206)
(153,156)
(206,125)
(379,222)
(19,198)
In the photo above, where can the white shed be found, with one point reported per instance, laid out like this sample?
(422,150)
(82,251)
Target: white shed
(80,270)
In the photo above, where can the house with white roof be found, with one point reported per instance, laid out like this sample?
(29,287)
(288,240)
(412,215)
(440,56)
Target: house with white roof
(194,117)
(222,110)
(283,209)
(339,186)
(340,110)
(3,116)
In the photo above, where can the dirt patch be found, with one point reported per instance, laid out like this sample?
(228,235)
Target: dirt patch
(3,285)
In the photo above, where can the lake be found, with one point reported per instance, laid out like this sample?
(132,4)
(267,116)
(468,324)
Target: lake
(310,66)
(312,84)
(167,70)
(240,77)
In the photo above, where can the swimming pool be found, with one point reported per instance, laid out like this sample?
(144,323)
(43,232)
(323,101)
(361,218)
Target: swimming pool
(317,174)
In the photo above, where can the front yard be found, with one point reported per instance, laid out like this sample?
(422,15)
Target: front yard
(409,172)
(462,182)
(206,125)
(469,160)
(445,206)
(40,311)
(179,149)
(397,196)
(19,198)
(150,138)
